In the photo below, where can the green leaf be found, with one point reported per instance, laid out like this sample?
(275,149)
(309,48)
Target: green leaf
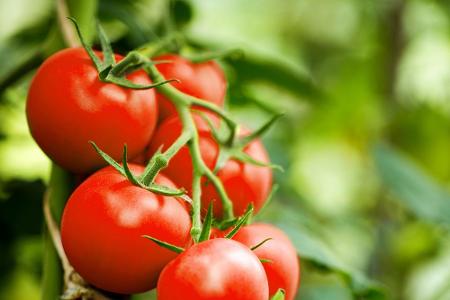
(279,295)
(411,186)
(206,229)
(242,221)
(311,248)
(168,246)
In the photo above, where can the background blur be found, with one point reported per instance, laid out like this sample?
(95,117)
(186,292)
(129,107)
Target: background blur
(365,141)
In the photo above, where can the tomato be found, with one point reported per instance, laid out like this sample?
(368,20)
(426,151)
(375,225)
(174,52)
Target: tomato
(102,227)
(284,269)
(202,80)
(218,269)
(245,183)
(68,105)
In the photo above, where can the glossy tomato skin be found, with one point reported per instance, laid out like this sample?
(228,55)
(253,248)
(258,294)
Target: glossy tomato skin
(218,269)
(245,183)
(202,80)
(284,269)
(68,106)
(102,227)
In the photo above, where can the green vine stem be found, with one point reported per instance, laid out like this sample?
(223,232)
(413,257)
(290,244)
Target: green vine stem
(58,191)
(183,102)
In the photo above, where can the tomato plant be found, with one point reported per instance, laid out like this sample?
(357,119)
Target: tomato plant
(216,269)
(244,182)
(203,80)
(102,228)
(68,105)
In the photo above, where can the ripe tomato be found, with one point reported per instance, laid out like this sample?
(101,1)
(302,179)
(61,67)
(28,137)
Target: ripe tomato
(202,80)
(102,227)
(218,269)
(68,105)
(284,269)
(245,183)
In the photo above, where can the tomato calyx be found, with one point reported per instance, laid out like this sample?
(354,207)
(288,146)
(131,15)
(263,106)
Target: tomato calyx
(206,230)
(137,180)
(111,72)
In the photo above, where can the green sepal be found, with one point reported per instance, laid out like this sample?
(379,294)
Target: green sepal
(163,190)
(242,221)
(279,295)
(168,246)
(108,54)
(265,261)
(260,131)
(244,157)
(103,74)
(206,229)
(109,159)
(125,171)
(260,244)
(130,176)
(95,60)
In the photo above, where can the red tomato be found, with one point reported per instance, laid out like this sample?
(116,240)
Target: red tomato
(68,105)
(218,269)
(202,80)
(245,183)
(284,269)
(102,227)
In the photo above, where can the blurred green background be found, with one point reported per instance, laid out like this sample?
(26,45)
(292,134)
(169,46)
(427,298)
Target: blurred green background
(365,141)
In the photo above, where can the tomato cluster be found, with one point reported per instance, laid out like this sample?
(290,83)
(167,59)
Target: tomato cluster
(108,214)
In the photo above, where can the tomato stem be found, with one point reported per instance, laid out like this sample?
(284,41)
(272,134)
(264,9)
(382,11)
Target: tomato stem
(160,160)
